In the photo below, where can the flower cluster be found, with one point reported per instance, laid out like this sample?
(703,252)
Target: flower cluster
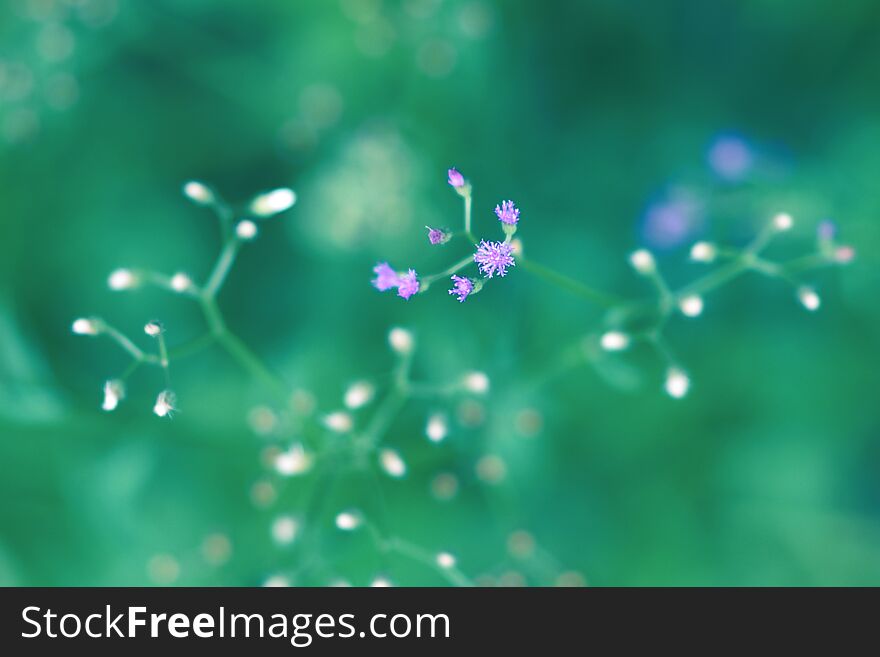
(492,258)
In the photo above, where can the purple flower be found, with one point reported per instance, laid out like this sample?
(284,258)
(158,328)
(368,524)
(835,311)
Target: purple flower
(507,212)
(437,236)
(827,230)
(730,157)
(462,288)
(455,178)
(386,278)
(408,285)
(494,258)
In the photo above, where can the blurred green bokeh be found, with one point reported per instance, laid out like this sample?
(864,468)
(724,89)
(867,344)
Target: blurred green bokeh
(589,115)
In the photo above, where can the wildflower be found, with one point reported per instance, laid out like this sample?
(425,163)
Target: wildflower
(294,461)
(677,383)
(381,582)
(827,230)
(437,428)
(359,394)
(339,421)
(349,520)
(844,254)
(437,235)
(614,341)
(507,212)
(165,404)
(445,560)
(642,261)
(455,178)
(704,252)
(122,279)
(153,329)
(462,287)
(199,193)
(114,391)
(285,529)
(494,258)
(180,282)
(84,326)
(246,230)
(392,463)
(408,285)
(783,222)
(808,298)
(691,305)
(401,340)
(730,157)
(386,277)
(476,382)
(273,202)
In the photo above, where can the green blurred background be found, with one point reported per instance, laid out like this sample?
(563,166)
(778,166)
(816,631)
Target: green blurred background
(612,124)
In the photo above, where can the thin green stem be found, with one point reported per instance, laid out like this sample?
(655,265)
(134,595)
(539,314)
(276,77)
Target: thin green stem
(427,280)
(720,276)
(221,268)
(123,341)
(570,284)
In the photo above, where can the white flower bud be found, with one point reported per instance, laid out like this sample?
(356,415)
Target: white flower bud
(114,392)
(808,298)
(401,340)
(476,382)
(153,329)
(783,222)
(704,252)
(642,261)
(180,282)
(165,404)
(691,305)
(445,560)
(83,326)
(677,383)
(199,193)
(340,422)
(246,230)
(614,341)
(273,202)
(381,582)
(359,394)
(392,463)
(294,461)
(285,529)
(122,279)
(276,582)
(437,428)
(349,520)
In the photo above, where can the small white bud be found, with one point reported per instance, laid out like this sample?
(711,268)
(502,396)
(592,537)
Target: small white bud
(677,383)
(153,329)
(844,254)
(614,341)
(704,252)
(516,247)
(642,261)
(401,340)
(199,193)
(808,298)
(476,382)
(381,583)
(273,202)
(691,305)
(294,461)
(246,229)
(122,279)
(340,422)
(276,582)
(165,404)
(83,326)
(392,463)
(783,222)
(349,520)
(437,428)
(285,529)
(114,392)
(359,394)
(445,560)
(180,282)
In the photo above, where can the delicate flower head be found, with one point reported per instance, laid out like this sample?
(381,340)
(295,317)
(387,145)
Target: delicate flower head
(455,178)
(507,212)
(272,202)
(165,404)
(494,258)
(437,236)
(677,383)
(844,254)
(349,520)
(445,560)
(122,279)
(614,341)
(401,340)
(808,298)
(704,252)
(392,463)
(827,230)
(181,282)
(783,222)
(386,277)
(85,326)
(293,461)
(246,230)
(153,329)
(408,285)
(199,193)
(462,287)
(691,305)
(359,394)
(114,391)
